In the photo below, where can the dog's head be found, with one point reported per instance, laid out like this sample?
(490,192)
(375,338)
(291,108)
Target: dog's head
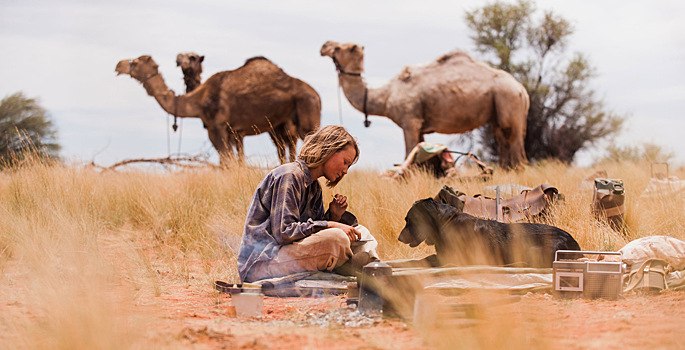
(421,223)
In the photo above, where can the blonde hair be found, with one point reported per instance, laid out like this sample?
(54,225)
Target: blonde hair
(322,144)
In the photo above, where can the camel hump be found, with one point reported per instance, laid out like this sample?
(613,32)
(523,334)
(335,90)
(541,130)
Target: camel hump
(454,54)
(255,58)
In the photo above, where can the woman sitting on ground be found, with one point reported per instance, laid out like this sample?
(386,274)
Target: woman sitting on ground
(287,230)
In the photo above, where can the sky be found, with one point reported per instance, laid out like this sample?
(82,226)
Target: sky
(64,53)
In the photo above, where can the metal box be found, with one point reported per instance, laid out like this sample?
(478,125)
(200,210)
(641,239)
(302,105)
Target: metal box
(587,279)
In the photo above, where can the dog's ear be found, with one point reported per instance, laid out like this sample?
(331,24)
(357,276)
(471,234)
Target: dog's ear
(425,220)
(414,231)
(431,206)
(439,213)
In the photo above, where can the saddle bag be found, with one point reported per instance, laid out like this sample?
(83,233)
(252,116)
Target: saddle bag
(527,204)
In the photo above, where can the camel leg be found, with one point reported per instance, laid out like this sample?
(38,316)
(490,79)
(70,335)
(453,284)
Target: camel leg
(234,140)
(511,143)
(503,146)
(292,148)
(285,135)
(517,149)
(289,136)
(411,139)
(510,127)
(412,133)
(276,135)
(221,144)
(238,139)
(308,115)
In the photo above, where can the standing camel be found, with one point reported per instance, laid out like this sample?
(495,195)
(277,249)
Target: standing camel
(232,104)
(453,94)
(282,135)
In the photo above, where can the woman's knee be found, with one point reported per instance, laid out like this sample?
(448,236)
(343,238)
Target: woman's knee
(334,238)
(369,246)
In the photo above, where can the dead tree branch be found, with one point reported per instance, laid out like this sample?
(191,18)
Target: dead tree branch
(189,162)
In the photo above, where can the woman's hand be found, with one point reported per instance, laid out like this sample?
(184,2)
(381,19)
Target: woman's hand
(337,207)
(352,233)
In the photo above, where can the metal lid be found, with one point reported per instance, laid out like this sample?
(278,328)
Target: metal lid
(377,268)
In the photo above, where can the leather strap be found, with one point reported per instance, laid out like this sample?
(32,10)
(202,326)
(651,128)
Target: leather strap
(518,208)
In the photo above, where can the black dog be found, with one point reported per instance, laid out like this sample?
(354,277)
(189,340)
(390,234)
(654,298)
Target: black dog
(463,239)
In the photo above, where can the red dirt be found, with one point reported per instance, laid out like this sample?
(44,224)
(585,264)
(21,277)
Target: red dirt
(200,318)
(191,314)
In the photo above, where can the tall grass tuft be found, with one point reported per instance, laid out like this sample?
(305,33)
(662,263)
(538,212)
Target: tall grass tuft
(78,246)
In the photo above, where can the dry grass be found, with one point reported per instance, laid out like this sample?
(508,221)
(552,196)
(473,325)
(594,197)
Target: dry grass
(71,236)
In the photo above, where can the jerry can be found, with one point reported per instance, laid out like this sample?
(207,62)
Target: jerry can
(609,201)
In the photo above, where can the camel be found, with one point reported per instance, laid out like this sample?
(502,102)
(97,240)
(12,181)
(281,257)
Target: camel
(282,135)
(191,65)
(232,104)
(453,94)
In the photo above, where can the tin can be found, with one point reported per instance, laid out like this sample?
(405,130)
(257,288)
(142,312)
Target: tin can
(373,279)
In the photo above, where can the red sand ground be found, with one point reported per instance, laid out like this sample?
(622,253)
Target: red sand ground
(194,315)
(200,319)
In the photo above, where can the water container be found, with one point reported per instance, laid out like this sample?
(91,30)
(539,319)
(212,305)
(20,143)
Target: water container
(248,300)
(373,280)
(609,201)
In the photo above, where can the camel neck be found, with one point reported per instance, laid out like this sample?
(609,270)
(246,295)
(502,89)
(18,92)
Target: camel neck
(179,106)
(357,92)
(157,88)
(191,83)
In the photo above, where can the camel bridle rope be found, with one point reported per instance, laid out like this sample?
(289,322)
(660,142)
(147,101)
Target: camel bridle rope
(175,127)
(340,104)
(341,71)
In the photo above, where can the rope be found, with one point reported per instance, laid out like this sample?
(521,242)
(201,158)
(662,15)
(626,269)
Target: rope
(168,137)
(175,126)
(367,123)
(340,104)
(180,136)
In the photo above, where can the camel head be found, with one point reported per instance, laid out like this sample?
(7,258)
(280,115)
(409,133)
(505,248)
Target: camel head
(191,65)
(190,62)
(348,57)
(141,68)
